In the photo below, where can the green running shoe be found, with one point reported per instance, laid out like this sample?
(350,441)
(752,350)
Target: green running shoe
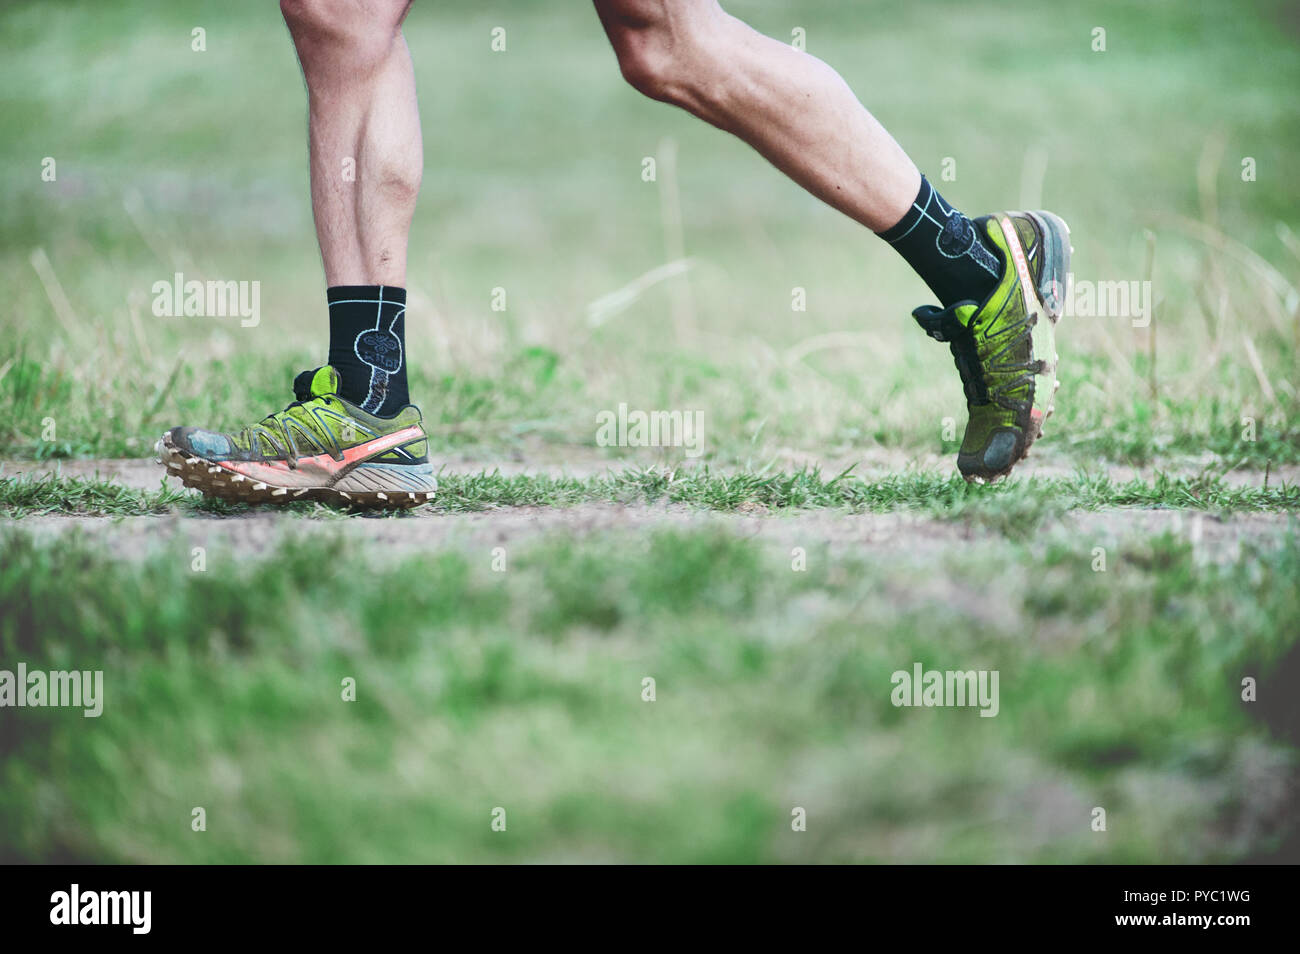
(1005,346)
(320,447)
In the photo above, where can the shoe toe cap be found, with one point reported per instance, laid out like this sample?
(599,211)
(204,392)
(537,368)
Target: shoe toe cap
(1001,451)
(996,458)
(201,443)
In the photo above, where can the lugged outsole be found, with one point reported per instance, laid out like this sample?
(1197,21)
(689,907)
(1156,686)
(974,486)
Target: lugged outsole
(214,481)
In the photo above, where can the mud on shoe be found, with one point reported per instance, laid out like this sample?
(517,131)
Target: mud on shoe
(1005,347)
(320,447)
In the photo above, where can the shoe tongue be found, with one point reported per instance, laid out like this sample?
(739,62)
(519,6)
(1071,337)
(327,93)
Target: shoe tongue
(318,383)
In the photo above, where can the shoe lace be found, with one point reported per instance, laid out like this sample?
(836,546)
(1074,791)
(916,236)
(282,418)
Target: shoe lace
(975,372)
(275,429)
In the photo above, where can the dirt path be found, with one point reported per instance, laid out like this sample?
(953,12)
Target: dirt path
(144,474)
(891,534)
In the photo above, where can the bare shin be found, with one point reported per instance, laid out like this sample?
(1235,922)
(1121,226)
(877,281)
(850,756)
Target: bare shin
(366,150)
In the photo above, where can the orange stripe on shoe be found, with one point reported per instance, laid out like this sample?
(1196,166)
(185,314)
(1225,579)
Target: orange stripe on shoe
(1022,267)
(321,469)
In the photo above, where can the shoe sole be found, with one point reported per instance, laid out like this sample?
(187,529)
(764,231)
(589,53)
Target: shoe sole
(1052,289)
(365,487)
(1048,299)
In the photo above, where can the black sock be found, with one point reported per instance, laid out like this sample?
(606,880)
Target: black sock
(368,345)
(945,249)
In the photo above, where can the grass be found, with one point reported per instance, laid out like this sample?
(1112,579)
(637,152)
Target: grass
(926,494)
(523,690)
(53,494)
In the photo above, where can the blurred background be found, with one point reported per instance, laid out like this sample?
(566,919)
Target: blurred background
(1168,140)
(174,160)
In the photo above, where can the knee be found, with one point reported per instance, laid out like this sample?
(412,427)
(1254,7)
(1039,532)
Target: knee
(315,20)
(648,65)
(363,32)
(658,47)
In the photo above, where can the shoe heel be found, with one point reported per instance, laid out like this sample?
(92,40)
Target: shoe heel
(1052,286)
(389,478)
